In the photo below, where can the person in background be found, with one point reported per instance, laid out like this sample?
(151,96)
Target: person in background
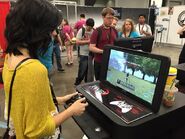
(45,55)
(32,112)
(83,40)
(180,73)
(142,28)
(56,50)
(101,36)
(128,30)
(69,34)
(114,22)
(80,23)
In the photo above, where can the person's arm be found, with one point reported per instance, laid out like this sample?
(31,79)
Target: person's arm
(59,40)
(181,30)
(77,108)
(148,32)
(93,41)
(80,40)
(68,37)
(62,100)
(94,49)
(36,116)
(38,105)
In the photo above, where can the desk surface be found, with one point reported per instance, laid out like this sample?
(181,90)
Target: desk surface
(88,124)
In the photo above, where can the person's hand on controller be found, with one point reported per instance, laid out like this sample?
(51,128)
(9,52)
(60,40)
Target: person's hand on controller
(64,99)
(78,107)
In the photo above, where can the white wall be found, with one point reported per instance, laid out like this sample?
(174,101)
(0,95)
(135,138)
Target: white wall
(132,3)
(170,36)
(174,26)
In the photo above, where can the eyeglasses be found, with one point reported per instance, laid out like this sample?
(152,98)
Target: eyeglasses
(109,17)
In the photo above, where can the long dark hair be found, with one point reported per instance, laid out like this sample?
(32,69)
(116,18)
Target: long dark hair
(29,25)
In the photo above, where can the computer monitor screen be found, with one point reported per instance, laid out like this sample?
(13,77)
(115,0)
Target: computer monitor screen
(145,43)
(135,74)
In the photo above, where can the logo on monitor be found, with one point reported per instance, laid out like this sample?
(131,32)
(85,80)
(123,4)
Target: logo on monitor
(181,18)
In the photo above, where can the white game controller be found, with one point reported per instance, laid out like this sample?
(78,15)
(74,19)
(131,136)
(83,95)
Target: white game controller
(123,105)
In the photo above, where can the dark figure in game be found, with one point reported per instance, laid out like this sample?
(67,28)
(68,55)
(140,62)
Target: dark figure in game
(127,76)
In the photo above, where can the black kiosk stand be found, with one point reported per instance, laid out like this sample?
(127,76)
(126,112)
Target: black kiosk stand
(126,103)
(168,123)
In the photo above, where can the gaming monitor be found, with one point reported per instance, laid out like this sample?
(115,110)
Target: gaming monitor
(131,84)
(139,75)
(144,43)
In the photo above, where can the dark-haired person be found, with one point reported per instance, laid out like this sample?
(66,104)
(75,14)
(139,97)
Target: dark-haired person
(80,23)
(142,28)
(83,40)
(56,50)
(69,34)
(128,30)
(105,34)
(33,115)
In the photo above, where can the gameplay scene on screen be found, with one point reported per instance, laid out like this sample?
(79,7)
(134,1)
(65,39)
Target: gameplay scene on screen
(133,73)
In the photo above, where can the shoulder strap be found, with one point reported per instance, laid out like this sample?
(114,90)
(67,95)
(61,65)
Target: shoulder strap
(10,91)
(115,31)
(83,32)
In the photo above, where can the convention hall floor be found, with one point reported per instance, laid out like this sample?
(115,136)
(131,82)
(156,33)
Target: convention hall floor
(64,84)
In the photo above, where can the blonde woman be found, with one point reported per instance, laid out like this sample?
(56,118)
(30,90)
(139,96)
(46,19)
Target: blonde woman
(128,30)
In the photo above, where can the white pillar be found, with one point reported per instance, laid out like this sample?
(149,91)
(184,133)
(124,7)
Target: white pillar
(81,2)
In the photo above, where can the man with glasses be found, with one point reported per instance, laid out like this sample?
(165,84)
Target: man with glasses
(105,34)
(83,40)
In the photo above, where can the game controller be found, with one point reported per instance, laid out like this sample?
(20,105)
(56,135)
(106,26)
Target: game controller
(75,98)
(125,107)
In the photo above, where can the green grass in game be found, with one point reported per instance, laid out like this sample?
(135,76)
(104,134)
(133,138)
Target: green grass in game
(142,89)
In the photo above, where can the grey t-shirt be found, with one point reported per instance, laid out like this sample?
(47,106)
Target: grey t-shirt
(84,49)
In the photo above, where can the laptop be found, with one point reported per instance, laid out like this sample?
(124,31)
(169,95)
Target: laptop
(131,84)
(142,43)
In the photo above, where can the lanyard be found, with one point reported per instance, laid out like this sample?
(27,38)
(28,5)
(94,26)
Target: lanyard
(141,28)
(109,35)
(126,35)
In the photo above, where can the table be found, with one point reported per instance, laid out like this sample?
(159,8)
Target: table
(167,123)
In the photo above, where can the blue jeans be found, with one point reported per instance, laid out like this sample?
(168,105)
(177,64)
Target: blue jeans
(82,69)
(56,51)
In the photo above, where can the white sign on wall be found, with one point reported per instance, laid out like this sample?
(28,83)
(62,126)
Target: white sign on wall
(169,18)
(174,26)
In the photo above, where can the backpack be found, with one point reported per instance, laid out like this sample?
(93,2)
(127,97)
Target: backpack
(100,33)
(83,32)
(99,36)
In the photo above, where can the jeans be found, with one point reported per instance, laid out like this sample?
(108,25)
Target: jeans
(56,50)
(82,70)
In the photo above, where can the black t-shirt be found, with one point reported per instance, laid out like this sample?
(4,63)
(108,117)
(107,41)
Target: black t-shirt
(182,35)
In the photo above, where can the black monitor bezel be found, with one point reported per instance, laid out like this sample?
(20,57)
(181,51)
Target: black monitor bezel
(163,73)
(128,43)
